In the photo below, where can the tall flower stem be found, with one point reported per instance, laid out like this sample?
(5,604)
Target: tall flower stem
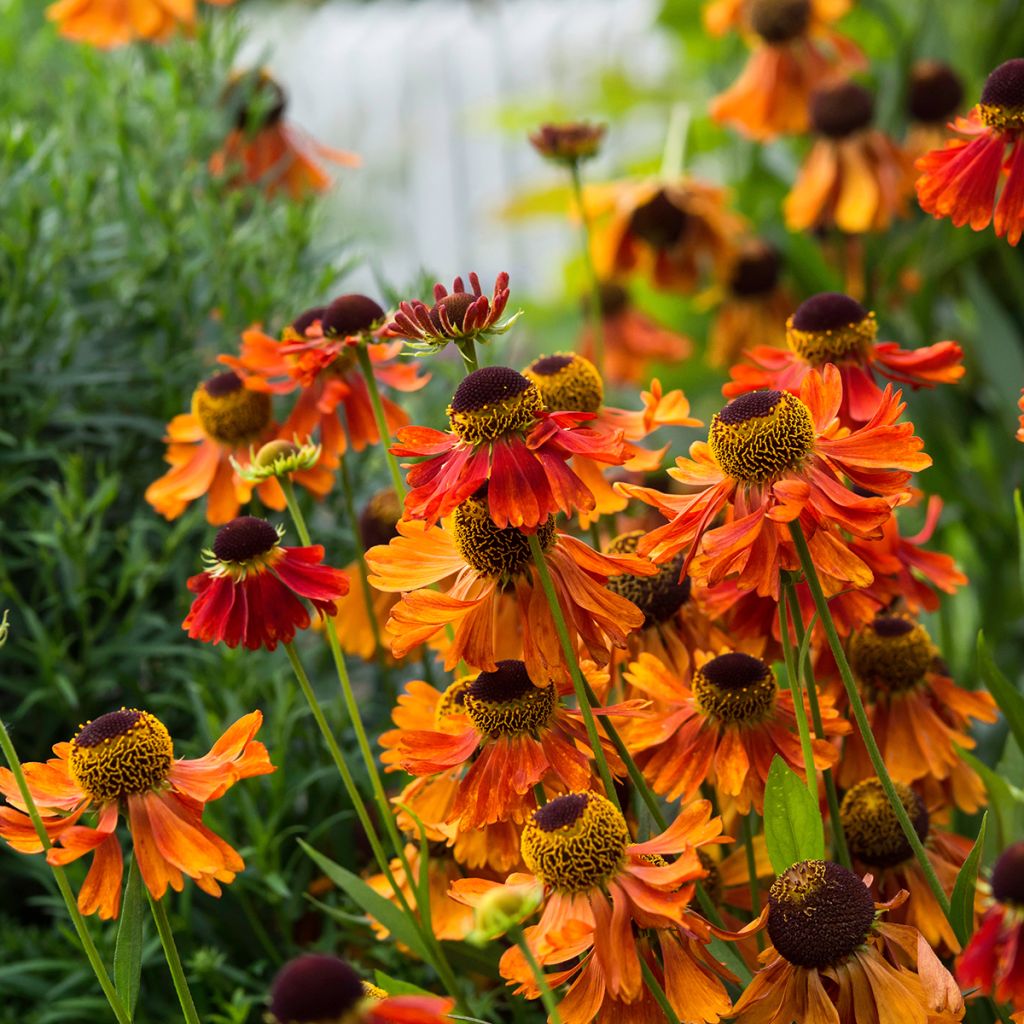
(860,715)
(467,349)
(163,927)
(348,498)
(755,893)
(793,675)
(441,964)
(92,954)
(658,992)
(366,368)
(594,305)
(578,682)
(547,997)
(840,850)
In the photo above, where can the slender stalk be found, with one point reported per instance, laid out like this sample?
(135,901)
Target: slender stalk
(366,367)
(348,498)
(92,954)
(467,349)
(793,675)
(839,847)
(547,997)
(673,156)
(163,926)
(860,715)
(594,305)
(658,992)
(578,682)
(755,892)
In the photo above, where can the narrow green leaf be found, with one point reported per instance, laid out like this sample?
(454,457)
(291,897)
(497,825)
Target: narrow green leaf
(397,987)
(1005,800)
(370,902)
(1006,695)
(1018,511)
(793,829)
(962,901)
(128,948)
(422,882)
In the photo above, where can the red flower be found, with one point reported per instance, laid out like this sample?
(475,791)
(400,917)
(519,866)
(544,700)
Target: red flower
(961,181)
(250,591)
(833,328)
(501,437)
(994,958)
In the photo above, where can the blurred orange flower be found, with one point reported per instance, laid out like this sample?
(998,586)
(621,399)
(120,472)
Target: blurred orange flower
(110,23)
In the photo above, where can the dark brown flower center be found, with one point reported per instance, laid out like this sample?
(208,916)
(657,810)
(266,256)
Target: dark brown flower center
(891,654)
(230,413)
(873,831)
(254,100)
(493,402)
(658,597)
(350,314)
(840,110)
(306,320)
(455,306)
(507,702)
(378,522)
(756,271)
(612,298)
(935,91)
(313,989)
(244,538)
(735,688)
(830,327)
(498,552)
(779,21)
(1008,876)
(658,222)
(567,382)
(819,913)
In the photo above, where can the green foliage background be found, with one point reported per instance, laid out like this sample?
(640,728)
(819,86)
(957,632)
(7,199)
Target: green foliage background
(124,269)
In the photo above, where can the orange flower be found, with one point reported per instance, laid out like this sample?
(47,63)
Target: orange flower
(671,230)
(795,51)
(225,422)
(570,383)
(490,567)
(935,93)
(110,23)
(501,437)
(994,958)
(317,355)
(318,989)
(598,885)
(632,340)
(515,733)
(877,845)
(264,149)
(833,328)
(774,458)
(755,307)
(918,715)
(122,763)
(961,181)
(249,593)
(855,178)
(832,962)
(725,728)
(1020,405)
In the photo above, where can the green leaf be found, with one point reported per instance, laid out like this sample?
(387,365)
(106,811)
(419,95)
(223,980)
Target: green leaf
(1005,800)
(1006,695)
(128,949)
(962,900)
(793,829)
(397,987)
(1018,511)
(371,903)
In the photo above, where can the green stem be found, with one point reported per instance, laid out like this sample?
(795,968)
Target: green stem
(547,997)
(348,498)
(594,305)
(673,157)
(578,682)
(793,675)
(840,849)
(163,926)
(91,953)
(860,715)
(755,891)
(467,349)
(658,992)
(363,355)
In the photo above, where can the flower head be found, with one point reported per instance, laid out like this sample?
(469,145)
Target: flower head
(500,435)
(772,457)
(569,143)
(110,23)
(249,593)
(961,180)
(831,327)
(934,93)
(855,178)
(123,763)
(458,315)
(831,959)
(319,989)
